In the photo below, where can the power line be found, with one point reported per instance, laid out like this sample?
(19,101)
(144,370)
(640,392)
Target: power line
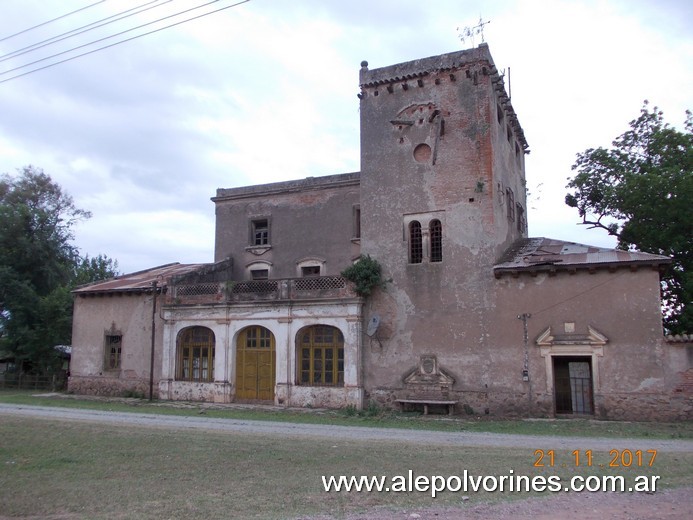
(74,32)
(116,43)
(104,39)
(577,295)
(50,21)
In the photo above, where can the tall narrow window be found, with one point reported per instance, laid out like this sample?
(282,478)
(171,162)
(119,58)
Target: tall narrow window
(259,232)
(415,243)
(510,202)
(195,355)
(520,218)
(113,349)
(356,221)
(436,234)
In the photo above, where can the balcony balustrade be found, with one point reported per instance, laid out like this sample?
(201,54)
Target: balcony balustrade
(318,287)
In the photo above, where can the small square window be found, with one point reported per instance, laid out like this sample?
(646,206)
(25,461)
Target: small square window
(310,270)
(259,274)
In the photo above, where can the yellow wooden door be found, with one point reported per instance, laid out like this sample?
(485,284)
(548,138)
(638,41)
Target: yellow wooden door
(255,364)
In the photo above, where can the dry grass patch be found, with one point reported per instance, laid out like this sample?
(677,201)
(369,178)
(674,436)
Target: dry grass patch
(88,471)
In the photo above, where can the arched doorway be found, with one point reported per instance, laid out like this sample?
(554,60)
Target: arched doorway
(255,364)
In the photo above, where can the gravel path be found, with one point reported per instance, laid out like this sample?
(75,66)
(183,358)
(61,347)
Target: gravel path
(347,433)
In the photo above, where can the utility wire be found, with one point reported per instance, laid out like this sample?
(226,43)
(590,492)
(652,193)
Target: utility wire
(577,295)
(85,28)
(50,21)
(108,38)
(119,42)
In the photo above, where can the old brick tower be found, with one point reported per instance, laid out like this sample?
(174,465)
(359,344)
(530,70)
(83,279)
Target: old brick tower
(442,196)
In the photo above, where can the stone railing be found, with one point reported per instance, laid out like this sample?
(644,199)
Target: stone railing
(209,292)
(318,287)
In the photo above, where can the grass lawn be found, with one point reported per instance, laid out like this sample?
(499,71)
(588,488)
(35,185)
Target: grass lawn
(370,418)
(90,471)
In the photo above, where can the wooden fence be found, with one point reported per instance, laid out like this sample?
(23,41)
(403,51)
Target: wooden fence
(11,381)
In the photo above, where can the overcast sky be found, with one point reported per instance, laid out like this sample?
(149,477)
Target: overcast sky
(143,133)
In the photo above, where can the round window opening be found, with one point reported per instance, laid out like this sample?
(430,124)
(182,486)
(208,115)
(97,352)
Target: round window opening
(422,153)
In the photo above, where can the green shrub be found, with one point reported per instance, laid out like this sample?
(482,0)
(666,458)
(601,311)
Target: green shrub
(372,410)
(136,394)
(366,274)
(349,410)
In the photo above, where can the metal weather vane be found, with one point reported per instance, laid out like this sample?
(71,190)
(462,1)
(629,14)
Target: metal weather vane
(468,33)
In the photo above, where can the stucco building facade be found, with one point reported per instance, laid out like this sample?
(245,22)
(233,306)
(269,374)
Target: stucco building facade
(474,317)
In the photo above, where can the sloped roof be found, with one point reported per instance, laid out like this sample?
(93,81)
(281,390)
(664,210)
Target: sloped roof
(547,254)
(138,282)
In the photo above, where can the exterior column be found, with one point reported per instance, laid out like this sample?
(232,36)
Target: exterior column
(168,357)
(284,346)
(353,359)
(222,340)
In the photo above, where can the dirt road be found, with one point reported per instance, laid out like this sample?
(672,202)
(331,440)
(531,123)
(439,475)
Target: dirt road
(355,433)
(674,504)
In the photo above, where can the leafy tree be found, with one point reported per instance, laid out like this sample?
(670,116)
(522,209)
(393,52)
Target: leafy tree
(39,266)
(37,228)
(640,191)
(90,270)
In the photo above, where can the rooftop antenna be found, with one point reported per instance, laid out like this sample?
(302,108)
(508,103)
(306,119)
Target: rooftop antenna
(468,32)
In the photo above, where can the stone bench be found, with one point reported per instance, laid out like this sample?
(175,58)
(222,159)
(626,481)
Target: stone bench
(427,402)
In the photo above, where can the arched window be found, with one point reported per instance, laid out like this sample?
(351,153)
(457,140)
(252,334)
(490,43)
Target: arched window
(256,338)
(436,233)
(195,355)
(415,242)
(320,356)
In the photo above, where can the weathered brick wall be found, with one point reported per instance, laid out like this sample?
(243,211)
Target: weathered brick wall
(110,387)
(645,407)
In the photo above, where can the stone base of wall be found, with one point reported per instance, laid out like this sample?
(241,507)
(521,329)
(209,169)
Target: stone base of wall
(493,404)
(319,396)
(617,407)
(620,407)
(644,407)
(110,387)
(217,392)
